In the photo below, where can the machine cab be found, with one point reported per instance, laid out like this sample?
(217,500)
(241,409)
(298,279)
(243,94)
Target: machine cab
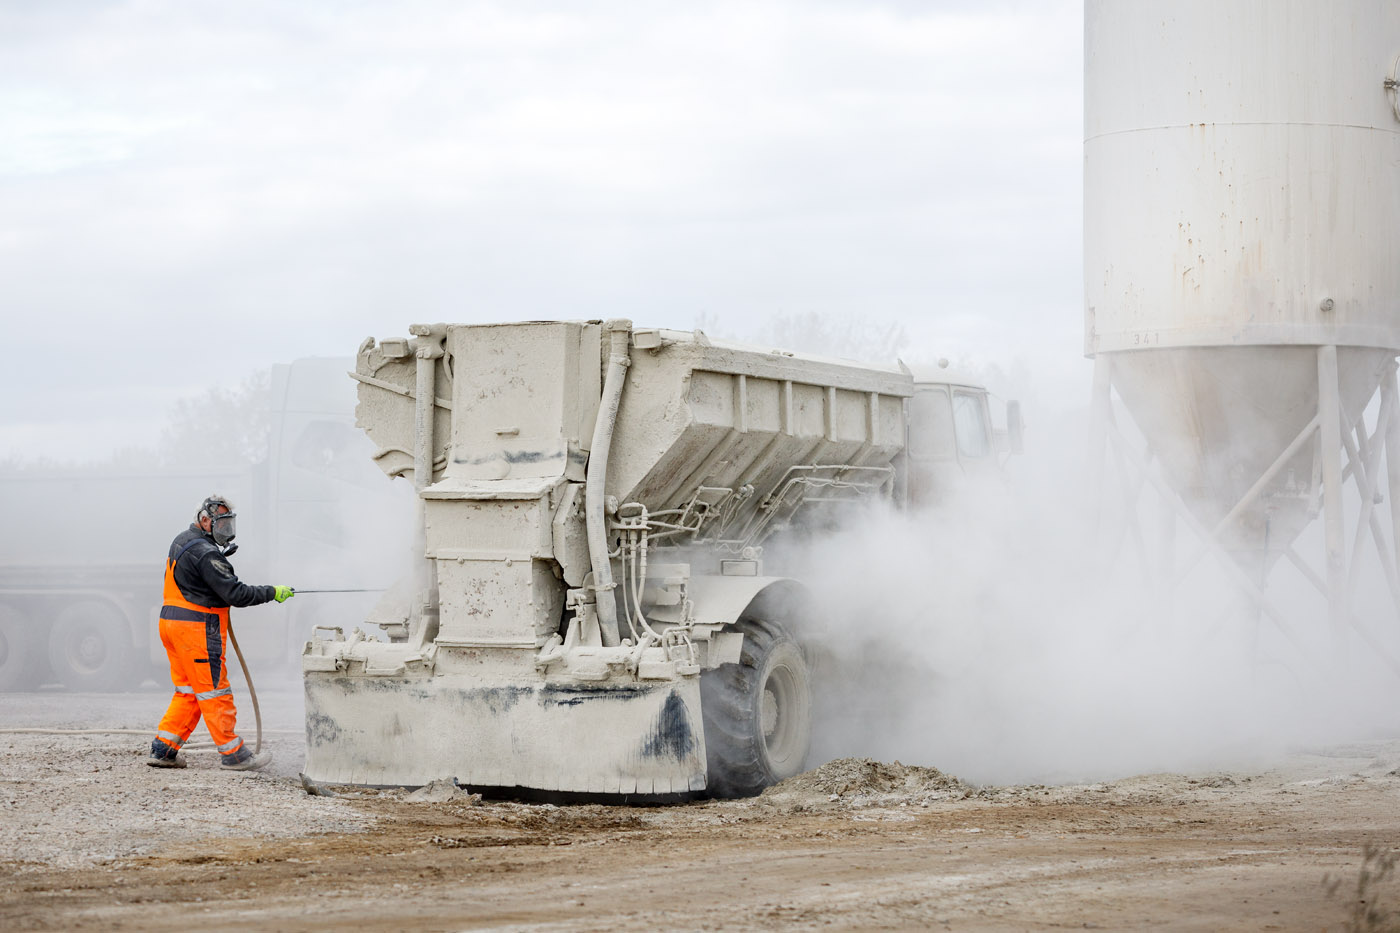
(951,438)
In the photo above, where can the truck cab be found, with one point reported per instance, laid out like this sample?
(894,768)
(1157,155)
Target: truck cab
(951,437)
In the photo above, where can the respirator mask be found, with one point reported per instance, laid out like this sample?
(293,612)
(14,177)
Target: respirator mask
(223,526)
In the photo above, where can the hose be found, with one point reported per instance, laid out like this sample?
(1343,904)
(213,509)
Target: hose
(639,552)
(257,713)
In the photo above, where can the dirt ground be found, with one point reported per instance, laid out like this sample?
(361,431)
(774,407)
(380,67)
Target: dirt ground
(93,839)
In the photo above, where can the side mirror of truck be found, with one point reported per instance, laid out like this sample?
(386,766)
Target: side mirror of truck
(1015,427)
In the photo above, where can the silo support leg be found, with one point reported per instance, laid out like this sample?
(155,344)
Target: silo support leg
(1390,388)
(1242,580)
(1122,529)
(1308,573)
(1312,577)
(1166,556)
(1130,506)
(1330,412)
(1267,476)
(1366,470)
(1365,467)
(1262,483)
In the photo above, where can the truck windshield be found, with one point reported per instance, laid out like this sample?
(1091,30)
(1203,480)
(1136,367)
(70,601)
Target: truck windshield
(970,424)
(931,425)
(333,449)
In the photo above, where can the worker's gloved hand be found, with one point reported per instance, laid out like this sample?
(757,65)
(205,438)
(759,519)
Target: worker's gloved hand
(283,593)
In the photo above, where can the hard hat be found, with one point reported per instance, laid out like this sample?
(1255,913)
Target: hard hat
(222,526)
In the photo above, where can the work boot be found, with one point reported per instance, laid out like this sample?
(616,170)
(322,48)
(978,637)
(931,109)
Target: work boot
(163,756)
(245,760)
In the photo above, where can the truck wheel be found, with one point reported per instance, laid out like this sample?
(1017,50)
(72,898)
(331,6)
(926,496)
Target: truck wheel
(21,666)
(90,648)
(758,713)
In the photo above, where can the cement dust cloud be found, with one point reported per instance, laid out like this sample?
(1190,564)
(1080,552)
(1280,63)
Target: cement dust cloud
(992,639)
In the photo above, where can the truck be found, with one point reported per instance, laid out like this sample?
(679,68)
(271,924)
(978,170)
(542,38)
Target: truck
(82,559)
(589,611)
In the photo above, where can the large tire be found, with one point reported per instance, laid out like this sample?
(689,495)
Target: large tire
(90,648)
(758,713)
(22,664)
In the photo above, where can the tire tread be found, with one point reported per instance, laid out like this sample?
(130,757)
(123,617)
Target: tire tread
(728,702)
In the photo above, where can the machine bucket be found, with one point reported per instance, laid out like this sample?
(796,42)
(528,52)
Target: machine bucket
(635,738)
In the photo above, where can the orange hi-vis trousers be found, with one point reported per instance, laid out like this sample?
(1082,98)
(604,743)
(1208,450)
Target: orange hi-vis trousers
(195,638)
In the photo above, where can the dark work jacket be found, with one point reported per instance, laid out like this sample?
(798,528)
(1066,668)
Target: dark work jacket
(206,578)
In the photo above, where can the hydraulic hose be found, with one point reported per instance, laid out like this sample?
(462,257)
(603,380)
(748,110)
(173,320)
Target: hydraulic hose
(257,713)
(595,498)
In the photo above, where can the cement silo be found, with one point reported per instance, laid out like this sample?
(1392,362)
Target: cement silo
(1241,260)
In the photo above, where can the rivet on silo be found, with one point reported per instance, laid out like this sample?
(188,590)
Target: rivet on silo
(1327,304)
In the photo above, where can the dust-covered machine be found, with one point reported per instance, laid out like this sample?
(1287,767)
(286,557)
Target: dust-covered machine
(592,614)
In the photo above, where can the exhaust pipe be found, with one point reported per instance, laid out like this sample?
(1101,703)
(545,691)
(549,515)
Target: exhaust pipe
(429,349)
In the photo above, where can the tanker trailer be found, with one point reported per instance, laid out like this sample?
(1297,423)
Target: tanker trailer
(591,612)
(82,610)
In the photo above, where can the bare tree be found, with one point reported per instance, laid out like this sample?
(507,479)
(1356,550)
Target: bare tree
(222,427)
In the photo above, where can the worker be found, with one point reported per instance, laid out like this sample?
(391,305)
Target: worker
(200,586)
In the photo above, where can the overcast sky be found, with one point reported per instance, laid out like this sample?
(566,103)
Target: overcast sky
(192,190)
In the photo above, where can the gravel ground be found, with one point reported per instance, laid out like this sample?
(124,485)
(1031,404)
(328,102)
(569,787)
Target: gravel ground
(73,801)
(92,839)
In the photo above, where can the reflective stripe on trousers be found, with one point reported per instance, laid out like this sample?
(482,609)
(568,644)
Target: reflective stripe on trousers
(170,738)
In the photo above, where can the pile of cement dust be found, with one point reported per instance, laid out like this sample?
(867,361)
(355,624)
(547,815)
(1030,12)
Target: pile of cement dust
(866,781)
(443,790)
(857,783)
(78,801)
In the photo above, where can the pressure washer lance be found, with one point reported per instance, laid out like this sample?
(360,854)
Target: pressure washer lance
(247,678)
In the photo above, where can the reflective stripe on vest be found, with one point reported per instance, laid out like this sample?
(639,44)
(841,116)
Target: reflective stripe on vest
(179,609)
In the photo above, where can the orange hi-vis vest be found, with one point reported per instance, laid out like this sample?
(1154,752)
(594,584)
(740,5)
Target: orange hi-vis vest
(179,609)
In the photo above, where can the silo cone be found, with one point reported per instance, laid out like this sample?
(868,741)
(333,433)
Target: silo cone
(1241,265)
